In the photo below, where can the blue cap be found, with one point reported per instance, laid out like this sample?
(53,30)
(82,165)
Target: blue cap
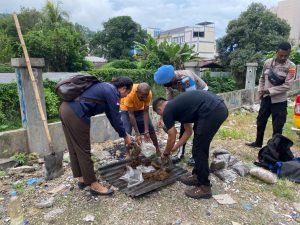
(164,74)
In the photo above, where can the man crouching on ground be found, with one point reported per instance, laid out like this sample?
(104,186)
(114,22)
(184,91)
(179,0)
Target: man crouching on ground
(135,114)
(207,111)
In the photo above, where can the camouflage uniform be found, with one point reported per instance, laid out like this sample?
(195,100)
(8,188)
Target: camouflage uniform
(199,83)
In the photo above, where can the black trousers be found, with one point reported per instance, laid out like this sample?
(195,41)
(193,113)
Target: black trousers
(180,135)
(279,113)
(204,131)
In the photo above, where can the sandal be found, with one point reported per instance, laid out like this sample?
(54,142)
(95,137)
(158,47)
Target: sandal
(82,185)
(109,192)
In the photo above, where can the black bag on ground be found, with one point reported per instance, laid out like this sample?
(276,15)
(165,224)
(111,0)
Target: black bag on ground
(277,149)
(289,170)
(71,88)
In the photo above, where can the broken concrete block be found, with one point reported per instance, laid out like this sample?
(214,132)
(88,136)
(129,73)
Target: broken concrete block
(21,169)
(45,204)
(224,199)
(7,163)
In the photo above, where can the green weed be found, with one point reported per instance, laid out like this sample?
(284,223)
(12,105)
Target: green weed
(64,200)
(2,173)
(19,186)
(22,158)
(232,133)
(283,188)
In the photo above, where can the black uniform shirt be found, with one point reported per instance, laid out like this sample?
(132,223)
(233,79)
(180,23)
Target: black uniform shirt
(190,106)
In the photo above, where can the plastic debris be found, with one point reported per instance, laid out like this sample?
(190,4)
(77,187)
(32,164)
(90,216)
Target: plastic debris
(295,215)
(89,218)
(247,205)
(148,149)
(32,181)
(133,177)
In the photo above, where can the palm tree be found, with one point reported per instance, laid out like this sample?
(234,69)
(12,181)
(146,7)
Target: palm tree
(145,49)
(168,53)
(53,15)
(175,54)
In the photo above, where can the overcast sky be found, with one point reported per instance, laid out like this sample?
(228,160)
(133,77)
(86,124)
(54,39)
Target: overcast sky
(164,14)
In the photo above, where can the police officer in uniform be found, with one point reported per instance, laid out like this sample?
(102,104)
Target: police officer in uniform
(274,84)
(182,81)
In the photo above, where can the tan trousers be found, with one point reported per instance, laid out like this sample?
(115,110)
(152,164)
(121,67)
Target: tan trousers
(77,135)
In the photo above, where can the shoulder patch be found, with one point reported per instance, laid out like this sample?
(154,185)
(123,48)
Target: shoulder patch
(291,72)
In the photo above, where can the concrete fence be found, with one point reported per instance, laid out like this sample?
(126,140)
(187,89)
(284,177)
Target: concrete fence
(101,130)
(31,138)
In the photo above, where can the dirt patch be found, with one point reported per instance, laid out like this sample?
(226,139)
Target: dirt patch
(257,202)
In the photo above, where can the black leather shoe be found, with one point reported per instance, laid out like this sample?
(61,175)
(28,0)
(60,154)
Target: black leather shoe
(82,185)
(253,145)
(191,162)
(109,192)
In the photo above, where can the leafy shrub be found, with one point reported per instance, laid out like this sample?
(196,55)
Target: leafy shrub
(10,115)
(9,101)
(2,115)
(5,68)
(50,84)
(219,84)
(120,64)
(22,158)
(137,75)
(152,62)
(52,103)
(158,91)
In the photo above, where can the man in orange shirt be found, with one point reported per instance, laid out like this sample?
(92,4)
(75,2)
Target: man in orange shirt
(135,114)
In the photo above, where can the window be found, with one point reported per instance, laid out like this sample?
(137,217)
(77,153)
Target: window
(198,34)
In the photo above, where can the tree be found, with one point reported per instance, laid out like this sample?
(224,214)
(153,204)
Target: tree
(86,33)
(63,48)
(166,53)
(175,54)
(294,56)
(117,38)
(149,46)
(6,52)
(53,15)
(256,32)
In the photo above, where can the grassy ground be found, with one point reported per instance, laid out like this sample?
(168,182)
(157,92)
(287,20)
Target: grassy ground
(257,203)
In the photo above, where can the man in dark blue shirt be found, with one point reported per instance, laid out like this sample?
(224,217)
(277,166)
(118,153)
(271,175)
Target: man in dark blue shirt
(207,111)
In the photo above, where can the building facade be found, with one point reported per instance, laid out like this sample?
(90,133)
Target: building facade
(201,36)
(154,32)
(289,10)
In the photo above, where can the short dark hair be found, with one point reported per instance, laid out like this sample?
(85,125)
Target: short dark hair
(285,46)
(122,81)
(156,103)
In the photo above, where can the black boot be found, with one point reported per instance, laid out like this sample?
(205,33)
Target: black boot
(253,145)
